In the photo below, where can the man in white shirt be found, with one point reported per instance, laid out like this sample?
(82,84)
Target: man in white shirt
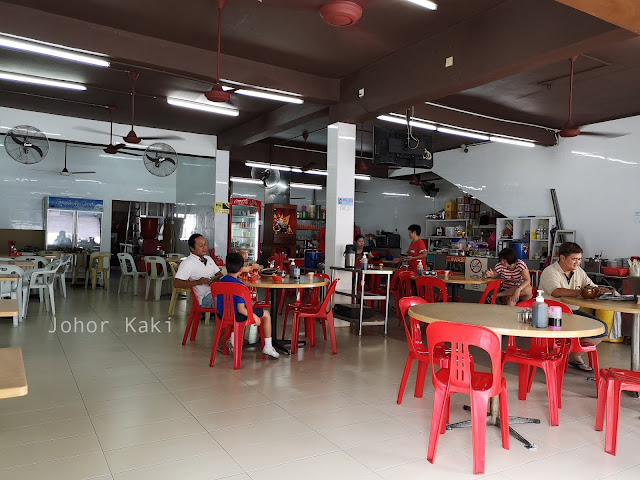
(198,271)
(565,278)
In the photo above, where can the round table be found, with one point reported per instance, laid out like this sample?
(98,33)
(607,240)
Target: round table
(616,306)
(503,320)
(274,288)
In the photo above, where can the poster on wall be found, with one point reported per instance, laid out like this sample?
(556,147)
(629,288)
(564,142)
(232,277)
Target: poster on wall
(83,204)
(221,207)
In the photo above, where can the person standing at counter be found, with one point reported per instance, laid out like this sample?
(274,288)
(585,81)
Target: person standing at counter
(516,282)
(198,271)
(417,250)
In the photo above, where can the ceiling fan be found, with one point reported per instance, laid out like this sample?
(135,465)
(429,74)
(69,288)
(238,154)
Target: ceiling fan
(217,94)
(570,129)
(65,171)
(131,136)
(307,165)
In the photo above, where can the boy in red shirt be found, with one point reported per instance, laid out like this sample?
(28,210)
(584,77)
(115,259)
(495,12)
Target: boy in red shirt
(417,250)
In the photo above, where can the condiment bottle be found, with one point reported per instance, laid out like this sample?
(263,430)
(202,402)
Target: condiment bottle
(539,312)
(365,262)
(420,269)
(555,318)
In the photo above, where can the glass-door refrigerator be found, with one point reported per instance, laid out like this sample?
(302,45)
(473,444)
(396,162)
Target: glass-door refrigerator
(244,227)
(73,223)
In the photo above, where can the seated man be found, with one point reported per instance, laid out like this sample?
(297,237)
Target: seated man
(516,282)
(565,278)
(234,265)
(198,271)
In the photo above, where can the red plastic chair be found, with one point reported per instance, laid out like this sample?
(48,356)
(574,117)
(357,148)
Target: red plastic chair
(194,318)
(228,321)
(492,289)
(418,350)
(324,313)
(459,377)
(547,354)
(312,306)
(612,382)
(426,287)
(403,290)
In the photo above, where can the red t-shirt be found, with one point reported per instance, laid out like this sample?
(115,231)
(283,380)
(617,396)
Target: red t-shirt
(415,249)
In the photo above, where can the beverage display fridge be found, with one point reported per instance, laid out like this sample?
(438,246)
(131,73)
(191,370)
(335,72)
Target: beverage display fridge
(244,227)
(72,223)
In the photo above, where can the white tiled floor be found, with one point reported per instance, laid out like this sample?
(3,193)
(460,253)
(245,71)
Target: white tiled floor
(123,404)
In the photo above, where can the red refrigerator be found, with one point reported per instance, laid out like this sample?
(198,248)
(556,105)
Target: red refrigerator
(244,228)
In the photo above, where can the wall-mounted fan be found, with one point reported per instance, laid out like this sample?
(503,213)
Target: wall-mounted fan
(269,177)
(429,189)
(160,159)
(26,144)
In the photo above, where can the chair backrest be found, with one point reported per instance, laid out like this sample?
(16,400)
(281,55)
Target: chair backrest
(48,276)
(127,264)
(326,303)
(316,292)
(38,260)
(492,289)
(54,265)
(551,303)
(151,264)
(413,332)
(425,287)
(461,337)
(404,283)
(229,290)
(100,260)
(8,270)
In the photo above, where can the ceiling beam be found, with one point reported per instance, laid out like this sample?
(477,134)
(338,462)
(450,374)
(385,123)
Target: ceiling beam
(509,39)
(278,120)
(138,50)
(623,13)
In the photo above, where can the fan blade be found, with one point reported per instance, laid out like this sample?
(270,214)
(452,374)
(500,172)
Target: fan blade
(170,160)
(152,159)
(162,137)
(37,149)
(602,134)
(77,173)
(16,139)
(91,130)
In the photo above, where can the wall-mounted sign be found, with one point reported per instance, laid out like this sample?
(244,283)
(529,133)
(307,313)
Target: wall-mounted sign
(83,204)
(221,207)
(346,201)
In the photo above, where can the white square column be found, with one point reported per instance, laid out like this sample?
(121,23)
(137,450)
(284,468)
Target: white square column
(221,220)
(341,162)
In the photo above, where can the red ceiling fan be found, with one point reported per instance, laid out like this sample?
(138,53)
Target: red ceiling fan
(217,93)
(570,129)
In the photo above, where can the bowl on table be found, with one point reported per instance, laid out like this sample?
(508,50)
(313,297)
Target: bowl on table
(253,278)
(268,272)
(590,292)
(277,278)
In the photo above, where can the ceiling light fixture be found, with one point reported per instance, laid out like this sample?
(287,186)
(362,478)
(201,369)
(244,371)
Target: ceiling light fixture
(403,121)
(176,102)
(273,167)
(317,172)
(245,180)
(391,194)
(14,77)
(511,141)
(425,4)
(51,50)
(463,133)
(269,96)
(308,186)
(359,176)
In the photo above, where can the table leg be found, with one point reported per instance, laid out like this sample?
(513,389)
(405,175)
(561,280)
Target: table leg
(635,345)
(454,292)
(273,309)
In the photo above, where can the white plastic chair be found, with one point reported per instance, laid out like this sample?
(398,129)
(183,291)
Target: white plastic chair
(129,272)
(40,262)
(151,264)
(13,289)
(41,280)
(66,261)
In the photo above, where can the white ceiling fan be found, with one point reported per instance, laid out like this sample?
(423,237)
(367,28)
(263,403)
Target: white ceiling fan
(65,171)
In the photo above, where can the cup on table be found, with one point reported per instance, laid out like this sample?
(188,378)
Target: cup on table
(310,275)
(446,273)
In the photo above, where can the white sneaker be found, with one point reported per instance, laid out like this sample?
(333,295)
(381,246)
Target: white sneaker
(230,346)
(270,351)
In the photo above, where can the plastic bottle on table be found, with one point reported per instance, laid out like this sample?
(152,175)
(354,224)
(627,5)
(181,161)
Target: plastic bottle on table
(420,268)
(555,318)
(365,261)
(540,308)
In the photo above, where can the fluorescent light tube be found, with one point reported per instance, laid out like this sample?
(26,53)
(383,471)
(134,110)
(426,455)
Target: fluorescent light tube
(176,102)
(25,45)
(14,77)
(284,168)
(463,133)
(512,141)
(359,176)
(391,194)
(403,121)
(269,96)
(316,172)
(245,180)
(425,4)
(306,185)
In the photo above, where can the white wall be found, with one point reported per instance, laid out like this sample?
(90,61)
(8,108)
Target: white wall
(118,177)
(598,194)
